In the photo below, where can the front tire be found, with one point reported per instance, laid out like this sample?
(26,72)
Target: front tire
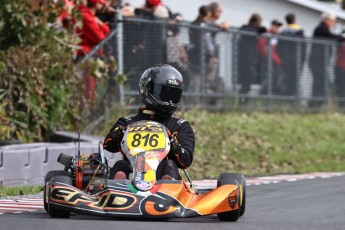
(47,178)
(242,181)
(52,210)
(236,179)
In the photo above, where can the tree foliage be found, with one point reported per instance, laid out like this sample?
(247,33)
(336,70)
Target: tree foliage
(40,91)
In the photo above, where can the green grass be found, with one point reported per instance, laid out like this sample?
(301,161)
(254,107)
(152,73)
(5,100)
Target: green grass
(264,144)
(22,190)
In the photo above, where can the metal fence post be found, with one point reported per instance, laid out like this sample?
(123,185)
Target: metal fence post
(235,62)
(299,63)
(326,75)
(269,71)
(119,36)
(203,69)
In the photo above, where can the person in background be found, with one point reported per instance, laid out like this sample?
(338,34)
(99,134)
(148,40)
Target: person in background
(263,46)
(153,9)
(248,54)
(320,57)
(107,12)
(214,84)
(175,50)
(292,54)
(64,17)
(127,9)
(340,75)
(160,90)
(92,32)
(216,11)
(195,49)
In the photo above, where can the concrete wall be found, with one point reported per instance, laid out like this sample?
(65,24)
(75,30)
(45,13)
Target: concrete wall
(27,164)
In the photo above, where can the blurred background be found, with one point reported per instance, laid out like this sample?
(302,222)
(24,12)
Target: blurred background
(271,70)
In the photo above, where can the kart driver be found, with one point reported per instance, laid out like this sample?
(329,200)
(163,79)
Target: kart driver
(160,89)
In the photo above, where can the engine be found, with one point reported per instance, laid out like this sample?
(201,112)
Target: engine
(88,173)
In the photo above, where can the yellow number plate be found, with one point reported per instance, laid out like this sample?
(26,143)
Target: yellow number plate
(146,140)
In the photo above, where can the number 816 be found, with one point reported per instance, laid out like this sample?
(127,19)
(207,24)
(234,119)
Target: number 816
(151,140)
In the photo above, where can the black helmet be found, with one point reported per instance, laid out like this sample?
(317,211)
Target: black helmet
(160,89)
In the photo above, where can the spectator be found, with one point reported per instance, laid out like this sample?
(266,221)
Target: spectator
(214,82)
(320,57)
(248,54)
(292,54)
(107,12)
(92,32)
(197,37)
(126,9)
(340,75)
(176,52)
(159,9)
(216,11)
(153,9)
(264,44)
(64,17)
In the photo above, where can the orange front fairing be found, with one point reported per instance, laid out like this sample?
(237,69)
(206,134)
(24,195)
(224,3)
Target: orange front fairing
(212,202)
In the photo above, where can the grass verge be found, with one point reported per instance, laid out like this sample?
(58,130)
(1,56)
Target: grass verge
(264,144)
(17,191)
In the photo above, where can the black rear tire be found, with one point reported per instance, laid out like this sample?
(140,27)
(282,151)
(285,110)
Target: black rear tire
(54,211)
(47,178)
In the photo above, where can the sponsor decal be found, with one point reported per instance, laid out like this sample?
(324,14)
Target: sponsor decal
(139,168)
(145,194)
(153,190)
(129,117)
(108,201)
(152,154)
(181,121)
(173,82)
(148,129)
(232,201)
(143,185)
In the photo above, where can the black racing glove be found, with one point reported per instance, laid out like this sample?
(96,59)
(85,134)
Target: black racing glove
(117,136)
(178,154)
(174,145)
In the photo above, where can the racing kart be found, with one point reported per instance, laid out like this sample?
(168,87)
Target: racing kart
(84,185)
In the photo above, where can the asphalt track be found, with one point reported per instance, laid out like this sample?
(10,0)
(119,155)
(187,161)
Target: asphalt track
(307,204)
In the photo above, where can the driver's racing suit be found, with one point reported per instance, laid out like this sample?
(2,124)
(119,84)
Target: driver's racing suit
(181,156)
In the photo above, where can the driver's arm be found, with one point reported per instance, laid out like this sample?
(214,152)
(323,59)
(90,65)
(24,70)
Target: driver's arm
(182,150)
(113,139)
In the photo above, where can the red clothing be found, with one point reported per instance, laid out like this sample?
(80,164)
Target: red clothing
(92,32)
(64,17)
(340,61)
(262,49)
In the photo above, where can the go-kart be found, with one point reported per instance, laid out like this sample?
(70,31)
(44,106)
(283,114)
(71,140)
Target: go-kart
(84,187)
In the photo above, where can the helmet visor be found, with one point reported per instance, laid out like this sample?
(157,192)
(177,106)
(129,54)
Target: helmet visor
(166,93)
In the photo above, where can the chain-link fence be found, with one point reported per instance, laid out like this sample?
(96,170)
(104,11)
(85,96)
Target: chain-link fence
(228,70)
